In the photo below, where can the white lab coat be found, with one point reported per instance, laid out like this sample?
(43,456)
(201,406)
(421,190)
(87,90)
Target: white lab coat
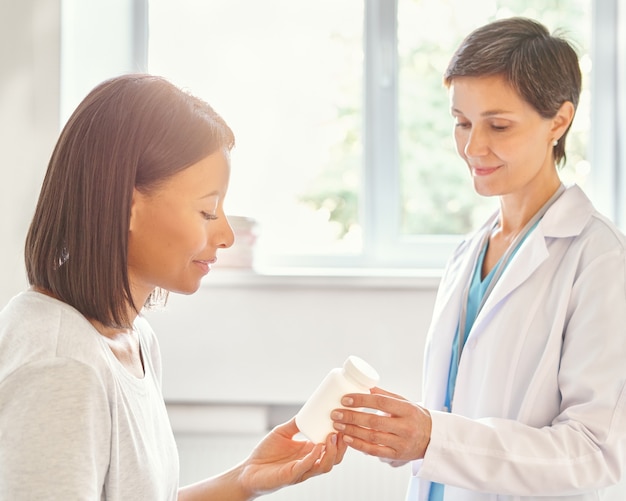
(539,411)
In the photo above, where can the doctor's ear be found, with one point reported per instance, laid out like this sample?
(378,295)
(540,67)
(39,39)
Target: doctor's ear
(562,120)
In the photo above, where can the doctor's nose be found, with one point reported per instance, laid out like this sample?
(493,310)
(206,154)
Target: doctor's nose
(476,143)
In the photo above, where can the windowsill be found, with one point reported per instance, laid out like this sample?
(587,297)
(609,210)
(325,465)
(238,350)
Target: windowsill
(325,277)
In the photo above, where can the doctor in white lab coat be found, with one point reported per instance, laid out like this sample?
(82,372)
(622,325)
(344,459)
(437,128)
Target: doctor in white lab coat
(534,407)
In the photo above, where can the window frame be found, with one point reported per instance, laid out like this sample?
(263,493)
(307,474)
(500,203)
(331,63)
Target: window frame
(608,110)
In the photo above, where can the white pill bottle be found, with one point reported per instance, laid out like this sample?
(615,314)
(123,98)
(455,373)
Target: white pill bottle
(313,419)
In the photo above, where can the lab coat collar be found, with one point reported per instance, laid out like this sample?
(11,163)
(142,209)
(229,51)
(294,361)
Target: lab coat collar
(576,206)
(566,218)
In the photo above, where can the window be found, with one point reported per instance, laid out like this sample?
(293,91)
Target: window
(288,77)
(344,149)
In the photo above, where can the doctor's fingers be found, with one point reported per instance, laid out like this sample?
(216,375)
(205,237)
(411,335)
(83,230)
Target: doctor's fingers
(379,391)
(404,442)
(393,437)
(403,422)
(379,400)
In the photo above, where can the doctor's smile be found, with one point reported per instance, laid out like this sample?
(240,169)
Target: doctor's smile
(483,171)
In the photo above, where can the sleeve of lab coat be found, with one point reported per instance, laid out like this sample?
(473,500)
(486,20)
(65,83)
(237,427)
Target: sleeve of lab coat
(585,445)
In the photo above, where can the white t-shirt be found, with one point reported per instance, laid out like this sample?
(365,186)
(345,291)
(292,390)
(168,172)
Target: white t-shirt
(74,424)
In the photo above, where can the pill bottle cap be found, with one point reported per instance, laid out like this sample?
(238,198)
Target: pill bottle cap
(360,371)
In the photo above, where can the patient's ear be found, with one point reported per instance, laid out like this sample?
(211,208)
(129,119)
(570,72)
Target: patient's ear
(135,203)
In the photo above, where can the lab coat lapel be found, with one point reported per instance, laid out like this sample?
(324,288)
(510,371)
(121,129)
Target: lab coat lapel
(446,318)
(528,258)
(439,348)
(458,275)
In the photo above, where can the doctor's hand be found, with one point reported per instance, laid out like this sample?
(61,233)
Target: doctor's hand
(278,460)
(399,432)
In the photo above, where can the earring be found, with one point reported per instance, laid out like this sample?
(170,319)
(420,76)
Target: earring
(555,142)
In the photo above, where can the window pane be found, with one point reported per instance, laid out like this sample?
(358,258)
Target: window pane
(287,76)
(437,194)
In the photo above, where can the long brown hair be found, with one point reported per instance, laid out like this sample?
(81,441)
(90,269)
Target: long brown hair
(133,131)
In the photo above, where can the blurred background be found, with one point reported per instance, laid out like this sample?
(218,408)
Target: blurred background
(346,193)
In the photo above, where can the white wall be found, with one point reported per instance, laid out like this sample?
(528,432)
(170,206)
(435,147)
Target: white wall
(29,117)
(245,351)
(252,339)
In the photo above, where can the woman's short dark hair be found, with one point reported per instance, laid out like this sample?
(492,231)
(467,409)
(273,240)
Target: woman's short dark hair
(541,67)
(132,131)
